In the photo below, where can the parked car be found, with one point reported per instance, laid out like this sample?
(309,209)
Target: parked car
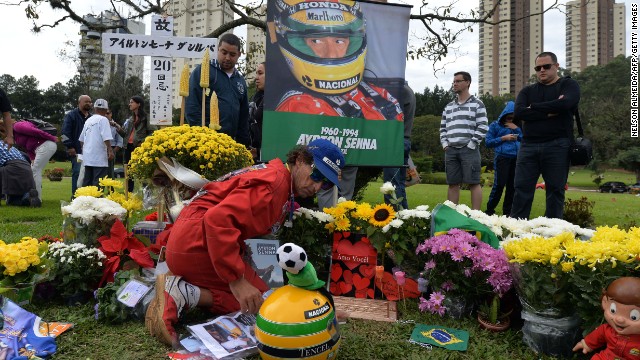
(118,173)
(543,186)
(614,187)
(635,188)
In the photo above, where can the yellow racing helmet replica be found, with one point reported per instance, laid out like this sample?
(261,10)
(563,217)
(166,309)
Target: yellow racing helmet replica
(298,321)
(300,20)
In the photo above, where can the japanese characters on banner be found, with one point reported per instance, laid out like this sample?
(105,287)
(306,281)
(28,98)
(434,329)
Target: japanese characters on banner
(339,66)
(161,75)
(162,46)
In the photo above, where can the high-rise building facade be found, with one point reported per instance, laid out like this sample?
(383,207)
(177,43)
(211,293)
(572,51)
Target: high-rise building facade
(508,49)
(595,32)
(256,45)
(194,18)
(97,67)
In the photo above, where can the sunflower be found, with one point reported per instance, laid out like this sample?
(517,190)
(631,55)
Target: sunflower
(382,215)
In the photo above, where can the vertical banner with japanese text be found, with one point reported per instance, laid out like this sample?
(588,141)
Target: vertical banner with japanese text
(162,46)
(335,69)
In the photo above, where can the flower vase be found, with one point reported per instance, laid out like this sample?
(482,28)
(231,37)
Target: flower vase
(20,294)
(75,231)
(549,335)
(458,307)
(540,294)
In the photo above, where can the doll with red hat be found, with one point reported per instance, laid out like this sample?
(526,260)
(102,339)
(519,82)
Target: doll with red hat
(621,333)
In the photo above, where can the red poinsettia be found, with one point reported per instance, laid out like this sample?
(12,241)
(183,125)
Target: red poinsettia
(119,247)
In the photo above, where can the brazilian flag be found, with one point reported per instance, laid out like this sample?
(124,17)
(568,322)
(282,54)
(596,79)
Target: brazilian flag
(444,218)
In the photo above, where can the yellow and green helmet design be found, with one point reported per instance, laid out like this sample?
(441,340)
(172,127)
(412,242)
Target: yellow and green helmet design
(295,323)
(298,20)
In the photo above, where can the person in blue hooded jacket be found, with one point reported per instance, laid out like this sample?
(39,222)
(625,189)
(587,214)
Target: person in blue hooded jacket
(504,137)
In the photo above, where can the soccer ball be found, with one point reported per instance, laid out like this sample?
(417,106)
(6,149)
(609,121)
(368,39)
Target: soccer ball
(291,257)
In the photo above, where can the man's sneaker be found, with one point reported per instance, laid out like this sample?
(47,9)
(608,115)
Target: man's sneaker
(34,200)
(168,305)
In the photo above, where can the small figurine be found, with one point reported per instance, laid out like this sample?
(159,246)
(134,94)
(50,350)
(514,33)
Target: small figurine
(621,333)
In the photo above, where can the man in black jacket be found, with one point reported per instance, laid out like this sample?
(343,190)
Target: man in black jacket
(547,109)
(71,128)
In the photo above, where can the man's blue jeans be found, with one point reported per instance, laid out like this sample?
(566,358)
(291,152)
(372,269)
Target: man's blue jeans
(398,176)
(75,173)
(549,159)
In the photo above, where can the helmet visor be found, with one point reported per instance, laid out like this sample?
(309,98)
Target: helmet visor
(326,45)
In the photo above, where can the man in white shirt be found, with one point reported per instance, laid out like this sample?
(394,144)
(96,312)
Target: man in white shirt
(96,144)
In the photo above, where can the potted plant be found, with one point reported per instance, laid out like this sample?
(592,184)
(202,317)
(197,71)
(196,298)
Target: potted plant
(461,269)
(492,316)
(54,174)
(22,265)
(77,270)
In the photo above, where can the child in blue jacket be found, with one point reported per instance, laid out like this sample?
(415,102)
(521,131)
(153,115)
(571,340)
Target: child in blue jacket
(504,137)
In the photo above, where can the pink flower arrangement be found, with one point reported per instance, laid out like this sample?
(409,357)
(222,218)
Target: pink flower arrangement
(458,264)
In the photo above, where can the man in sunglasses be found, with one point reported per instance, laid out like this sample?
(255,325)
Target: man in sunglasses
(546,109)
(205,246)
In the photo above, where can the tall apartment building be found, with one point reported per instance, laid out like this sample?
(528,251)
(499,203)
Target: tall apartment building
(194,18)
(595,32)
(256,45)
(97,67)
(508,50)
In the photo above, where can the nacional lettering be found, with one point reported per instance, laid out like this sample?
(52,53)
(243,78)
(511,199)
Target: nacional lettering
(338,84)
(310,314)
(324,16)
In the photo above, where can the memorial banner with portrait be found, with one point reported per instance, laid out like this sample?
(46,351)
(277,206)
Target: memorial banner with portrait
(335,70)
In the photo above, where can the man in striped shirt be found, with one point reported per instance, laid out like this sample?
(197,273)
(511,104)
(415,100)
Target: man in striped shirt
(463,126)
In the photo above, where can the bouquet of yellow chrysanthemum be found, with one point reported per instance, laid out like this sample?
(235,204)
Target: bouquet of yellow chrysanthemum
(537,268)
(22,264)
(205,151)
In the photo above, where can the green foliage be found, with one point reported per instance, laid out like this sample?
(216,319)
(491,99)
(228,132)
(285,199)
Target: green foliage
(77,268)
(424,164)
(579,212)
(432,102)
(495,104)
(118,91)
(425,140)
(543,288)
(312,236)
(110,310)
(630,160)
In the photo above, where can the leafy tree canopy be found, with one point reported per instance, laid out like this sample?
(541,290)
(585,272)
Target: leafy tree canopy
(442,25)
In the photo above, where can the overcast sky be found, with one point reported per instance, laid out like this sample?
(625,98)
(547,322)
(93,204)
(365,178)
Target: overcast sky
(26,53)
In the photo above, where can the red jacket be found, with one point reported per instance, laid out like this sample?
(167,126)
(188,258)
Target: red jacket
(206,243)
(618,346)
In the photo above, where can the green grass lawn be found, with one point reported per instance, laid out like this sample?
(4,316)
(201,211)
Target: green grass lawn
(90,339)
